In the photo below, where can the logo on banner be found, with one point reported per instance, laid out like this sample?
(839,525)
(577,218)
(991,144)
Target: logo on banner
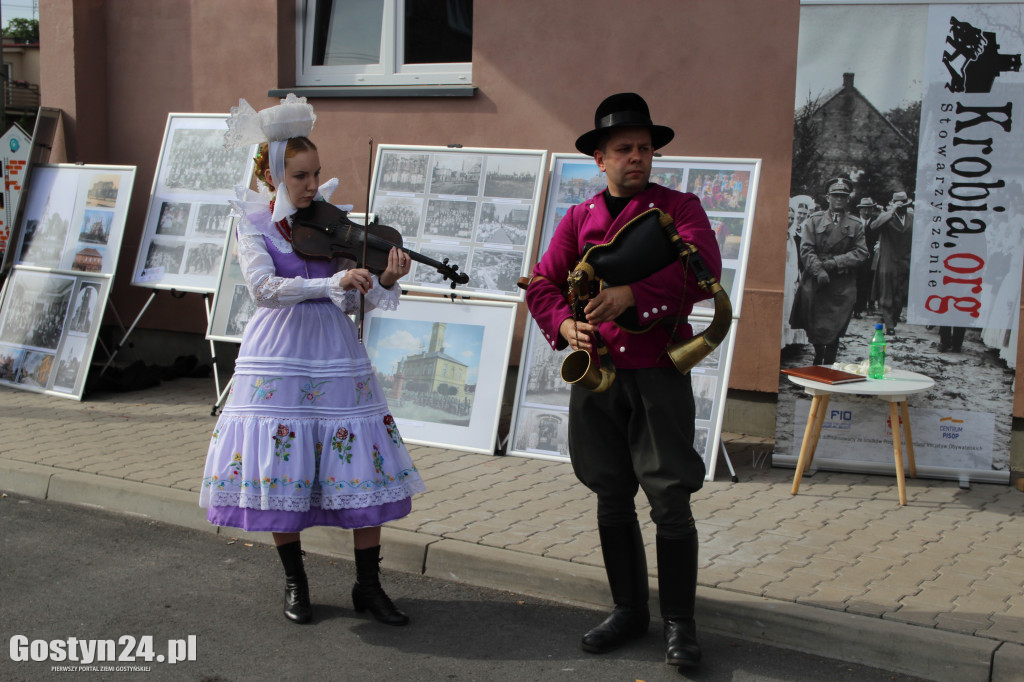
(951,428)
(975,62)
(839,419)
(966,203)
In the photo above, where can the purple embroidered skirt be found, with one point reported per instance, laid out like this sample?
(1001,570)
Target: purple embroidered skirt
(306,438)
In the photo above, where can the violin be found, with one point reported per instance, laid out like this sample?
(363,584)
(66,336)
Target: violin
(324,231)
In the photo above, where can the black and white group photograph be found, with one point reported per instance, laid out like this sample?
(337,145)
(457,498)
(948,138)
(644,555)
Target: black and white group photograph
(511,177)
(449,219)
(403,172)
(196,161)
(165,255)
(103,190)
(494,270)
(504,223)
(83,312)
(35,309)
(402,213)
(173,218)
(203,258)
(213,220)
(456,175)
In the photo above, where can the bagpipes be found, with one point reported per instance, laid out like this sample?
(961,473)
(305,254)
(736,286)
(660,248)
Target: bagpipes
(642,247)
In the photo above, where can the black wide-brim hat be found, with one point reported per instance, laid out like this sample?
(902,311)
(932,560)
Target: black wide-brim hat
(624,110)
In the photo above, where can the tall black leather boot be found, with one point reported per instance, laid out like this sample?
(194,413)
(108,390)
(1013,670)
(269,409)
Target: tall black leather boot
(367,592)
(626,566)
(296,587)
(677,590)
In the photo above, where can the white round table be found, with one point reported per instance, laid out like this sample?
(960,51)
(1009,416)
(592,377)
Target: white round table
(894,389)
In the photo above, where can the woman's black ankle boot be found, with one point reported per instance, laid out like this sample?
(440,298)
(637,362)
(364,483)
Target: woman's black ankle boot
(296,588)
(367,594)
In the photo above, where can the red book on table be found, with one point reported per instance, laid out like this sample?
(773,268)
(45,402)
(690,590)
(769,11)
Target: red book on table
(825,375)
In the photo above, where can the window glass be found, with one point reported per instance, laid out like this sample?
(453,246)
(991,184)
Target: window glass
(347,33)
(438,32)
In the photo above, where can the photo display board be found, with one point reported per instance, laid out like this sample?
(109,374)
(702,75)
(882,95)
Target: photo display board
(442,365)
(188,218)
(53,303)
(727,188)
(476,207)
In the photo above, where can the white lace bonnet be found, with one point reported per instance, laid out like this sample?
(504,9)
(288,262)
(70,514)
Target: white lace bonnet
(293,117)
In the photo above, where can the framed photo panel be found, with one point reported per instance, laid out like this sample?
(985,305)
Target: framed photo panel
(476,207)
(74,218)
(49,323)
(188,218)
(442,364)
(727,188)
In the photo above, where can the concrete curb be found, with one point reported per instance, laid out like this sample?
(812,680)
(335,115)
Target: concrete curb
(924,652)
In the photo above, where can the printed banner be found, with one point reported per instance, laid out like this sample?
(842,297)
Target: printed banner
(14,148)
(905,209)
(967,254)
(946,442)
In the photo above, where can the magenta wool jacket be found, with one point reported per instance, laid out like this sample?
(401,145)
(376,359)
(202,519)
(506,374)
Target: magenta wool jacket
(667,293)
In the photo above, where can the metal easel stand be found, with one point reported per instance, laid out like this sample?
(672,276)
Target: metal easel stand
(175,294)
(113,353)
(222,397)
(728,462)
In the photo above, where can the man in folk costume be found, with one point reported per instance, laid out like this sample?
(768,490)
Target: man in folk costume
(832,247)
(895,231)
(639,432)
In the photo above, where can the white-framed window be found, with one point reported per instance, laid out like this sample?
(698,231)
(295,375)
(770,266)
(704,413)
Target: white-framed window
(384,42)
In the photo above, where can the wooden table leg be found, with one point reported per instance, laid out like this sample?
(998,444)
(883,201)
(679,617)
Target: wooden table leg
(897,436)
(818,423)
(909,438)
(809,442)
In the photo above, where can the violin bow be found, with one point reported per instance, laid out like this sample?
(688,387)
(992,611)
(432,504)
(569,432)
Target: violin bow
(366,232)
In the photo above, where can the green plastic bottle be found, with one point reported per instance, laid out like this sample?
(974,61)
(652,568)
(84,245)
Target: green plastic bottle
(876,354)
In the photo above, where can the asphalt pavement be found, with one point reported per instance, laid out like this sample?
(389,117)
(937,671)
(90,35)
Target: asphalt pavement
(214,604)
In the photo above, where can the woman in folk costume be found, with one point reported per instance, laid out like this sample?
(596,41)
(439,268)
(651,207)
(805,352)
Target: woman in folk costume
(306,438)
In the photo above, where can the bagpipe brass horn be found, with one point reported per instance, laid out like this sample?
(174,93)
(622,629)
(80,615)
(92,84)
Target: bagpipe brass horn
(686,354)
(578,368)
